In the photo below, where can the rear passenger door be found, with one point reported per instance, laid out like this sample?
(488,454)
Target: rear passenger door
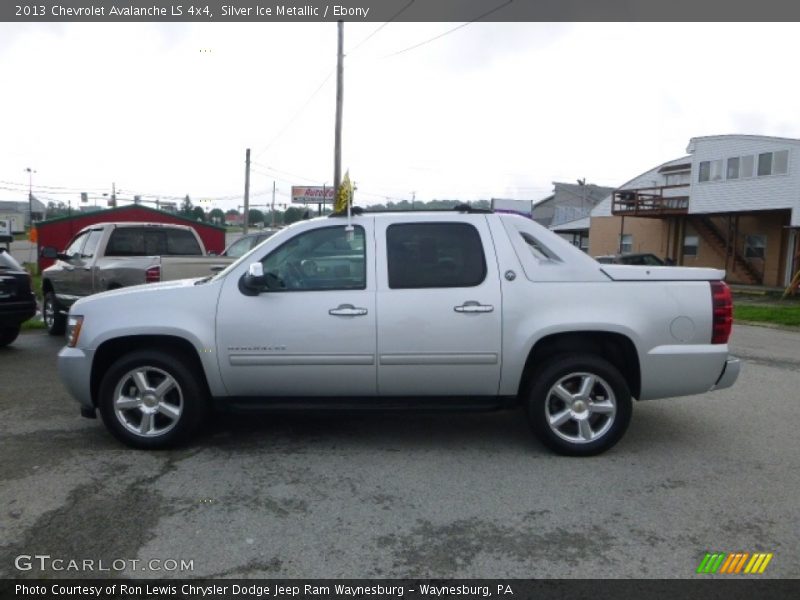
(438,306)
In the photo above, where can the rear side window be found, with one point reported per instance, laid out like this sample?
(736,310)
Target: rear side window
(182,243)
(133,241)
(434,255)
(126,241)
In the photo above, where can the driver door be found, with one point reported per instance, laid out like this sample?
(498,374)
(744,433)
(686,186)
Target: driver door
(313,333)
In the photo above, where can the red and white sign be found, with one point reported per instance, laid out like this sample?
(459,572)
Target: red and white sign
(312,194)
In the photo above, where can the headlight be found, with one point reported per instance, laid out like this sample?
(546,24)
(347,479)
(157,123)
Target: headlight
(74,323)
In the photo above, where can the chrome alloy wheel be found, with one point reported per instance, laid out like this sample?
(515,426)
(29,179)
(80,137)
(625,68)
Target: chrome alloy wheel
(148,401)
(49,313)
(580,408)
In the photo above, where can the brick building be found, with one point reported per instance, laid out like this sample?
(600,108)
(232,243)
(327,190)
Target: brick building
(733,203)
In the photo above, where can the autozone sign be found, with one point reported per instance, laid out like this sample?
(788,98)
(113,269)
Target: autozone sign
(315,194)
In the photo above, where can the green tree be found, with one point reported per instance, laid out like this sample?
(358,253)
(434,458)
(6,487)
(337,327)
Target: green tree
(216,216)
(255,216)
(292,215)
(186,207)
(198,214)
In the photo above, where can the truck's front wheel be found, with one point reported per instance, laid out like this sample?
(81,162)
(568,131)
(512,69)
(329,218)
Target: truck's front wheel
(579,405)
(54,319)
(150,400)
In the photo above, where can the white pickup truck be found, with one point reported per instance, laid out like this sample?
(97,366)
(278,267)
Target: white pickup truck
(108,256)
(461,309)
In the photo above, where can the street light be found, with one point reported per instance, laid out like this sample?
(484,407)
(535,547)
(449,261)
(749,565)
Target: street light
(30,196)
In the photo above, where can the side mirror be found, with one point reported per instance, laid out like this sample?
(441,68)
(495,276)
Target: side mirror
(253,282)
(49,252)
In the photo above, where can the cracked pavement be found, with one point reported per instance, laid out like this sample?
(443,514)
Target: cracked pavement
(407,495)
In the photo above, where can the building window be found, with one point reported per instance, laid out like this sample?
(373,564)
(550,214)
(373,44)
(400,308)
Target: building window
(773,163)
(765,164)
(716,170)
(705,171)
(681,178)
(733,168)
(780,162)
(710,170)
(626,243)
(746,164)
(690,245)
(755,246)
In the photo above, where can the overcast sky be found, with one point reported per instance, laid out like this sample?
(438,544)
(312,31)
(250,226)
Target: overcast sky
(490,110)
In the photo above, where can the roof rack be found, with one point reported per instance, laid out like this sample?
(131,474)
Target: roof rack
(464,208)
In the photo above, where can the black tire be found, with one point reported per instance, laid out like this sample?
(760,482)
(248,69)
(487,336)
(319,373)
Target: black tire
(8,335)
(594,421)
(188,398)
(54,319)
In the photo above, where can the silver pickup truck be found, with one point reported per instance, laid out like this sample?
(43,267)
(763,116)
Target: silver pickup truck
(460,309)
(108,256)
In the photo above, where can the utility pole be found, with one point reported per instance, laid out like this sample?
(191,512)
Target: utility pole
(30,196)
(113,195)
(337,149)
(273,204)
(246,190)
(413,198)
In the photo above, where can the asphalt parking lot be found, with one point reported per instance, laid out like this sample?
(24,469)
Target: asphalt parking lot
(434,495)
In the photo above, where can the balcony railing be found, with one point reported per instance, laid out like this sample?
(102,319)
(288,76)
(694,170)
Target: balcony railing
(652,201)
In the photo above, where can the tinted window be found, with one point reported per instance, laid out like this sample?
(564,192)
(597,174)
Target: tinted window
(434,255)
(134,241)
(321,259)
(126,241)
(182,243)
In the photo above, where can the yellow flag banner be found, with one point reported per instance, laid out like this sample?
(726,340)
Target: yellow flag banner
(345,195)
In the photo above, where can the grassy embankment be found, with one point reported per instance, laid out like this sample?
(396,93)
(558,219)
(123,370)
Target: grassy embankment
(778,313)
(36,283)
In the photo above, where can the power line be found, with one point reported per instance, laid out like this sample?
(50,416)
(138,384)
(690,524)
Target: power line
(366,39)
(296,114)
(449,31)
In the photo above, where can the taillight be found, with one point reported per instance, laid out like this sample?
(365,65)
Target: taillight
(722,305)
(153,274)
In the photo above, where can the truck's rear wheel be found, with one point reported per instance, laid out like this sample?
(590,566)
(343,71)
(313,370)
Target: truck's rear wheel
(54,319)
(579,405)
(150,400)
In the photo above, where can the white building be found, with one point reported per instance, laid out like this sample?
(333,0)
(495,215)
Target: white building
(732,203)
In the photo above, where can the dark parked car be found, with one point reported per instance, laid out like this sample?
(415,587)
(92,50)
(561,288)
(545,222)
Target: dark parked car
(247,242)
(17,302)
(644,259)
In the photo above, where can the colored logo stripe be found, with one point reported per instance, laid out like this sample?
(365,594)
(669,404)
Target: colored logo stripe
(733,563)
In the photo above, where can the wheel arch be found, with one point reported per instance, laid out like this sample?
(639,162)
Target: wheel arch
(617,348)
(111,350)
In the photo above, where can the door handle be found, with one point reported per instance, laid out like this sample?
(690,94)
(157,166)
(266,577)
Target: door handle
(473,307)
(347,310)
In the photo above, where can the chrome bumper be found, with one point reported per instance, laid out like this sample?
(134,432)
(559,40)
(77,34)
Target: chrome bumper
(730,372)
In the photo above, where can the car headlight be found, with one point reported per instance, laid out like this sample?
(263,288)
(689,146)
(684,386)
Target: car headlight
(74,323)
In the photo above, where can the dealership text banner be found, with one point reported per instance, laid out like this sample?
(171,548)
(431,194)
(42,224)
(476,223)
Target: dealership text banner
(399,10)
